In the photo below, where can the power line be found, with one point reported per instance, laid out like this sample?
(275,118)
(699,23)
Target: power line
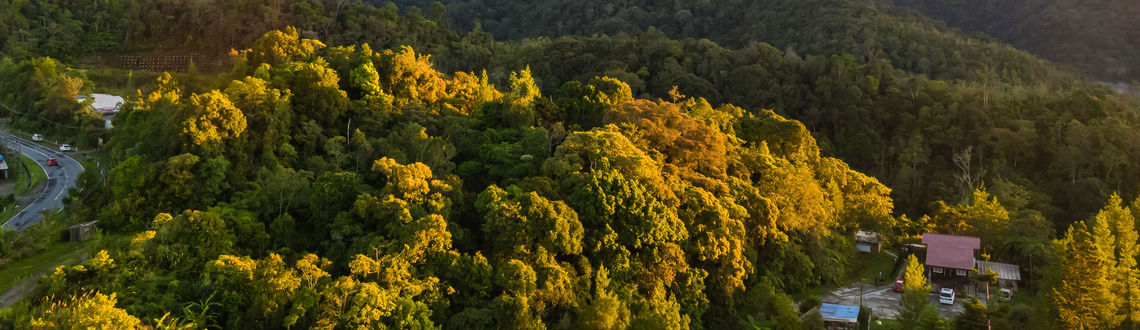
(41,117)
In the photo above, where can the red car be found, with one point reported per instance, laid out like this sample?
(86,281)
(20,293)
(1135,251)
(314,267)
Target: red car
(53,162)
(898,286)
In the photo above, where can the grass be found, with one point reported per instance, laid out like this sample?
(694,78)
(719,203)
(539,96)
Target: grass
(885,324)
(863,266)
(870,266)
(37,174)
(22,186)
(57,253)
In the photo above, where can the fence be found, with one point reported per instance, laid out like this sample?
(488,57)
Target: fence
(175,63)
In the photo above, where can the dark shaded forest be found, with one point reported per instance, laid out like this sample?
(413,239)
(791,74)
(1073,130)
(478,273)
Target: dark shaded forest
(1101,38)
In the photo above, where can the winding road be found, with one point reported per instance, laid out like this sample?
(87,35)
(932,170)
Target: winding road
(59,180)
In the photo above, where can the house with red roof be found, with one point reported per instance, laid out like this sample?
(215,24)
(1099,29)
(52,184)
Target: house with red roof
(950,256)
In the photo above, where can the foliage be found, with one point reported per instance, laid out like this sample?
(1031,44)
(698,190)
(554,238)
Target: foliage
(342,187)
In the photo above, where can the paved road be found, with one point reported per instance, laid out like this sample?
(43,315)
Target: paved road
(884,301)
(59,180)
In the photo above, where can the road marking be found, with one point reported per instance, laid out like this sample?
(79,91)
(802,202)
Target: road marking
(29,146)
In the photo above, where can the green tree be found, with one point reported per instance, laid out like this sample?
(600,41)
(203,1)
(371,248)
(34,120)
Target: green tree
(974,317)
(211,119)
(914,303)
(86,311)
(519,223)
(281,46)
(1126,278)
(1083,296)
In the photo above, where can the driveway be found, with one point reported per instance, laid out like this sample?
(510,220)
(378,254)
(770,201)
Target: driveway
(59,180)
(883,301)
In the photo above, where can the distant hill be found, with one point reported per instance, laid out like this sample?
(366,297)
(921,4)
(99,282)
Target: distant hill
(1101,38)
(864,28)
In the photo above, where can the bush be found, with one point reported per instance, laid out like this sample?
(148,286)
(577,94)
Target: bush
(864,316)
(809,303)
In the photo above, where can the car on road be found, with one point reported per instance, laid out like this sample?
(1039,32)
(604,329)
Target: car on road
(65,147)
(946,296)
(38,137)
(52,162)
(898,286)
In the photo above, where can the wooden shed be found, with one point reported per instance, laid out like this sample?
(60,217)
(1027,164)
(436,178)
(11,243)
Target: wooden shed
(868,241)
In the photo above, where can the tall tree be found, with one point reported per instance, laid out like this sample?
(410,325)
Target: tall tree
(1126,277)
(1083,297)
(914,302)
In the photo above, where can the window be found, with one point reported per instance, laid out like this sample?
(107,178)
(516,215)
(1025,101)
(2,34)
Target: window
(937,270)
(961,272)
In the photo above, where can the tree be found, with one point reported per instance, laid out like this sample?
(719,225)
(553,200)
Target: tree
(914,303)
(86,311)
(603,309)
(1126,276)
(519,223)
(409,77)
(982,216)
(1083,296)
(914,278)
(210,119)
(266,286)
(989,277)
(974,317)
(316,91)
(277,47)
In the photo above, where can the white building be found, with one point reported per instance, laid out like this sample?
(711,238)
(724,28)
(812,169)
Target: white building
(104,104)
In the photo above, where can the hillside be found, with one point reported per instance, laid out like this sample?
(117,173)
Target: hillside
(311,178)
(1101,38)
(864,28)
(617,165)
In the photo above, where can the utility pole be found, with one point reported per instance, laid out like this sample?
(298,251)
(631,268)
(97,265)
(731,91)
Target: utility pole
(861,292)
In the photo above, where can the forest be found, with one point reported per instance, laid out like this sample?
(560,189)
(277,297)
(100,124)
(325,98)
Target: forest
(343,165)
(1095,37)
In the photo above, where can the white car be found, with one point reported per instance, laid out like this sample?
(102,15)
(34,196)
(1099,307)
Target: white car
(38,137)
(65,147)
(946,297)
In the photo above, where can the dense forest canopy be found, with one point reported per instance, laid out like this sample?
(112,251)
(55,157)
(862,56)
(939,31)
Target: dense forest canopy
(362,164)
(1031,127)
(866,29)
(452,202)
(1101,38)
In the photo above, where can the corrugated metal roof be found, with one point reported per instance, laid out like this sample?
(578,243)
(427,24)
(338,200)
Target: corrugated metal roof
(1005,271)
(106,102)
(950,251)
(867,236)
(839,313)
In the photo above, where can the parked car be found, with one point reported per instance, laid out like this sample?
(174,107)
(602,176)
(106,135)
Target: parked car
(65,147)
(898,286)
(52,162)
(946,297)
(1005,295)
(38,137)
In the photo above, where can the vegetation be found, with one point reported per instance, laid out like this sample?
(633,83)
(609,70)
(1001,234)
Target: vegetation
(1070,32)
(333,174)
(453,203)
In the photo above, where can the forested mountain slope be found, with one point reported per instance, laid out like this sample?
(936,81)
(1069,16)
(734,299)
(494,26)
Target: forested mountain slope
(1099,37)
(1061,144)
(347,187)
(70,30)
(866,29)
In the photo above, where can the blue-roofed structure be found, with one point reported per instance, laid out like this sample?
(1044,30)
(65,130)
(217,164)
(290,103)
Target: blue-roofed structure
(839,313)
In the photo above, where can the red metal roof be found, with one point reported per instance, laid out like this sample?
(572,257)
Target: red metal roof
(950,251)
